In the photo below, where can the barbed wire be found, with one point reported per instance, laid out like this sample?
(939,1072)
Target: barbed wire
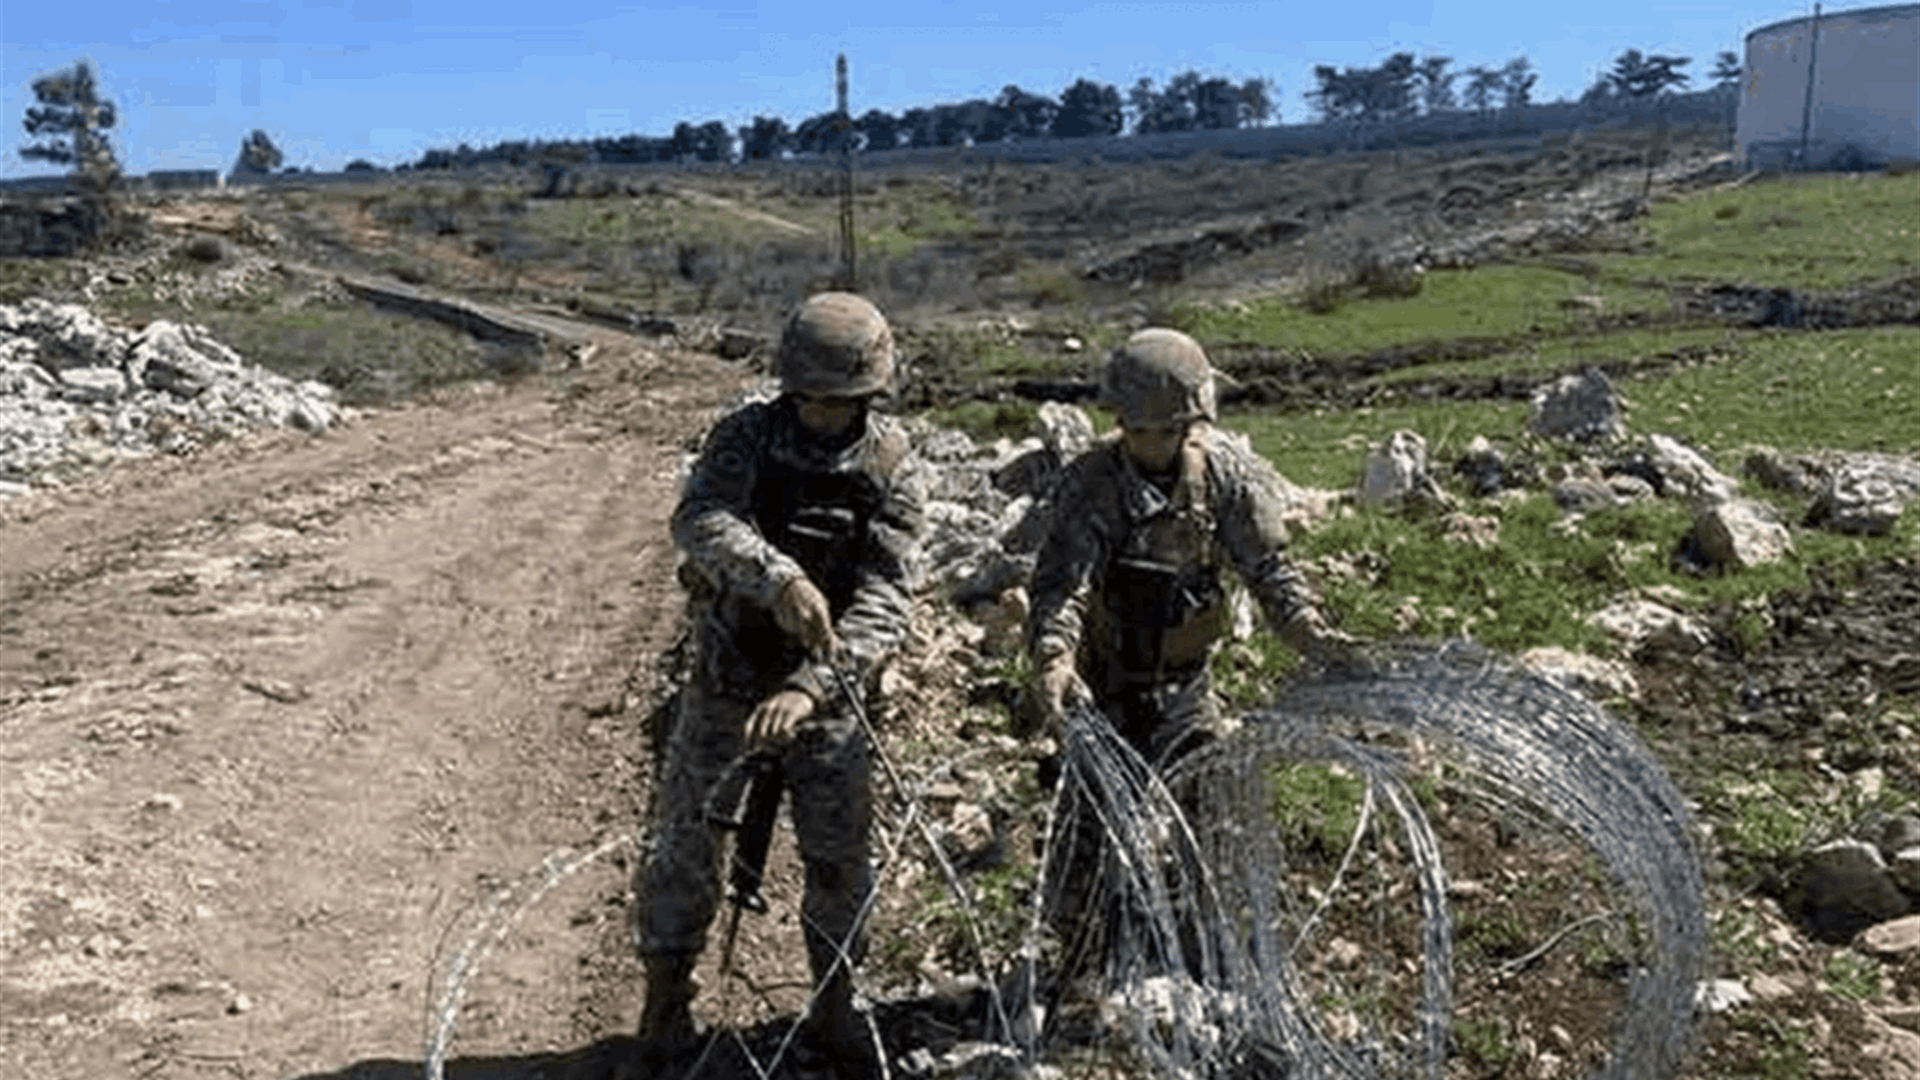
(1171,900)
(482,926)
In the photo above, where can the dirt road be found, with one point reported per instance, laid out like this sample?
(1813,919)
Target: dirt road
(272,717)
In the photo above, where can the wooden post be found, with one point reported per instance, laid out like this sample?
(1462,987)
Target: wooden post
(844,125)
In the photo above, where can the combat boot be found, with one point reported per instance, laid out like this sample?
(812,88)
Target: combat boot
(838,1042)
(667,1031)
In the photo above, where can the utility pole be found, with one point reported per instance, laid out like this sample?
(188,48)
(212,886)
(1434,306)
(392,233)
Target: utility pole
(843,123)
(1806,112)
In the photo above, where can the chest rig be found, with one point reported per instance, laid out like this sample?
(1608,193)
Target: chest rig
(1163,594)
(820,519)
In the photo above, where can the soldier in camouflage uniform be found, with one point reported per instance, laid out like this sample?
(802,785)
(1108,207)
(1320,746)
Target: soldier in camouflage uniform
(796,532)
(1127,602)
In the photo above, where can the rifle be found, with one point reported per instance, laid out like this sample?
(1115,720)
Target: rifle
(746,802)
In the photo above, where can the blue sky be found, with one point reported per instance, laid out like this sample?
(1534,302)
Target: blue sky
(334,80)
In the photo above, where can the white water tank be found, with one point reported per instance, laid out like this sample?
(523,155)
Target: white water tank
(1865,68)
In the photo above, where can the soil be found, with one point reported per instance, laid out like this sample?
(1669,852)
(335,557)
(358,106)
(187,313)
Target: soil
(276,721)
(275,715)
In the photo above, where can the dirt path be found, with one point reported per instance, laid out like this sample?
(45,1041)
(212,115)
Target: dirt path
(745,213)
(272,717)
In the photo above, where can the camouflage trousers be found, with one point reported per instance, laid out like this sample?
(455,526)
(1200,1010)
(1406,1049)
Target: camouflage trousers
(830,798)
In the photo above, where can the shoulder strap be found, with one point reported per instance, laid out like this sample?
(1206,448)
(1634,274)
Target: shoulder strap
(1190,491)
(889,450)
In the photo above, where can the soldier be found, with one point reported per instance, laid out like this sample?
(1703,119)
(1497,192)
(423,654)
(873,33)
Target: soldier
(796,531)
(1127,602)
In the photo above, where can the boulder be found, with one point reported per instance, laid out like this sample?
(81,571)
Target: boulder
(1601,679)
(1583,494)
(1739,533)
(170,357)
(1634,623)
(1781,472)
(1904,867)
(1483,467)
(67,335)
(1893,938)
(1845,888)
(1683,469)
(92,385)
(20,378)
(1629,488)
(1720,995)
(1396,474)
(76,394)
(1863,497)
(1065,429)
(1581,407)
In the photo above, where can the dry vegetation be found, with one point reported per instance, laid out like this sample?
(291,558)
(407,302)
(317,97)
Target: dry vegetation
(1343,297)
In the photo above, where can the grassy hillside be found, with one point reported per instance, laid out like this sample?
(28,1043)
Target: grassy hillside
(984,271)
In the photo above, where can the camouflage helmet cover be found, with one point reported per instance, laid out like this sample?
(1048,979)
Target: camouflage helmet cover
(836,345)
(1159,376)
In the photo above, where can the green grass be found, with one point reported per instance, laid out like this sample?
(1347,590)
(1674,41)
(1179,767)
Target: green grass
(1491,303)
(1318,802)
(1484,1040)
(370,356)
(1327,448)
(1852,975)
(1819,232)
(1762,822)
(1846,390)
(1540,582)
(1548,357)
(1534,587)
(22,278)
(1780,1048)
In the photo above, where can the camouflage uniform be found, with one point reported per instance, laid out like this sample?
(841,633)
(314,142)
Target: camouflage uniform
(768,502)
(1130,581)
(1126,595)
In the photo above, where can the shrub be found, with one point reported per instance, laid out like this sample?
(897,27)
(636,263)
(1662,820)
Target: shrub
(205,248)
(1376,278)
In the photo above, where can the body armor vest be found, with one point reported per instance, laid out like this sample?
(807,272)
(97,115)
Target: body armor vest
(820,521)
(1162,584)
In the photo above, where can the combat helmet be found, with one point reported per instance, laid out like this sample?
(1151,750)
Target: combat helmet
(1159,376)
(836,345)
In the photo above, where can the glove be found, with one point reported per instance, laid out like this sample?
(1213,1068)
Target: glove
(1059,679)
(777,717)
(802,612)
(1312,638)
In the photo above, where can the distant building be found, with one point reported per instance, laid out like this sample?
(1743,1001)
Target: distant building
(1864,109)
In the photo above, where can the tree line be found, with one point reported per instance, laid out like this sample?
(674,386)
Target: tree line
(1403,87)
(1399,88)
(72,116)
(1188,102)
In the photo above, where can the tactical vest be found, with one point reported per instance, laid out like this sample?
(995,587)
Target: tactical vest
(1162,588)
(820,520)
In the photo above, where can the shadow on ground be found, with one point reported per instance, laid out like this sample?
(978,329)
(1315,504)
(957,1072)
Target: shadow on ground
(597,1061)
(766,1051)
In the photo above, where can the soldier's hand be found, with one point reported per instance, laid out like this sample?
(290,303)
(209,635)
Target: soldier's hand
(1321,644)
(801,610)
(1059,679)
(1336,649)
(775,719)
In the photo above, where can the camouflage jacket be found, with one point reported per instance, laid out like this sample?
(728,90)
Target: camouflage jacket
(741,498)
(1106,503)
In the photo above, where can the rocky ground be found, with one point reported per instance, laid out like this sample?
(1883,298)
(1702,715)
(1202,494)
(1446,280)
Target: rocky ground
(290,720)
